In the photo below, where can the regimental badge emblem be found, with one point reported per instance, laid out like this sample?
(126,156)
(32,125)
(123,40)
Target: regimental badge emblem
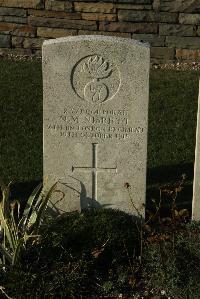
(95,79)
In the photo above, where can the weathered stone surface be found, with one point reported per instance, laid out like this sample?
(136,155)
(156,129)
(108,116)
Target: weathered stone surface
(55,32)
(153,39)
(183,42)
(4,41)
(198,30)
(156,5)
(196,184)
(189,18)
(162,53)
(95,121)
(121,1)
(55,5)
(5,11)
(33,43)
(129,27)
(99,17)
(181,30)
(15,51)
(16,29)
(54,14)
(147,16)
(58,5)
(26,42)
(13,19)
(132,6)
(107,33)
(178,5)
(22,3)
(62,23)
(187,54)
(95,7)
(17,42)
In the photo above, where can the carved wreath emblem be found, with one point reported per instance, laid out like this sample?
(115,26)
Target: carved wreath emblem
(95,79)
(97,69)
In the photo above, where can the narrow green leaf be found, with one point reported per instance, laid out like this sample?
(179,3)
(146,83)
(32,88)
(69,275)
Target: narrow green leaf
(17,251)
(14,226)
(5,253)
(6,229)
(37,215)
(29,207)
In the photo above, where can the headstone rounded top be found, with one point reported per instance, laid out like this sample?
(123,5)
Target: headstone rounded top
(96,38)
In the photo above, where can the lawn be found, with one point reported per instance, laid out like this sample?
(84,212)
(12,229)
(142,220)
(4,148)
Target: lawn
(172,123)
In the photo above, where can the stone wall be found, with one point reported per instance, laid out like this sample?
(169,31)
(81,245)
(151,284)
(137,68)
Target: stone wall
(172,27)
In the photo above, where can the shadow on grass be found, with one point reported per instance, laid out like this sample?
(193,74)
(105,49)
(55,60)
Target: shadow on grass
(22,190)
(170,176)
(170,173)
(156,177)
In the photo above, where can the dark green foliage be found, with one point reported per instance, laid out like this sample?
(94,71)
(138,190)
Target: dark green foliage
(172,117)
(174,265)
(95,254)
(79,254)
(21,120)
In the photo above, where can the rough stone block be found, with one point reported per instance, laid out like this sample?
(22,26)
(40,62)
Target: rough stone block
(17,42)
(189,18)
(59,5)
(13,19)
(153,39)
(192,6)
(187,54)
(54,14)
(156,5)
(33,43)
(16,29)
(162,53)
(95,7)
(15,51)
(121,1)
(129,27)
(6,11)
(147,16)
(22,3)
(183,42)
(178,30)
(62,23)
(55,5)
(133,6)
(55,32)
(99,17)
(5,41)
(119,34)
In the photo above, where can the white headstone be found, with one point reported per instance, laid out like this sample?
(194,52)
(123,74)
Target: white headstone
(96,92)
(196,185)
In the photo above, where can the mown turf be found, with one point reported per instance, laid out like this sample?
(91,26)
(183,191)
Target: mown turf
(21,120)
(172,122)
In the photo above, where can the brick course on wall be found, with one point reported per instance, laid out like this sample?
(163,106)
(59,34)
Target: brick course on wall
(172,27)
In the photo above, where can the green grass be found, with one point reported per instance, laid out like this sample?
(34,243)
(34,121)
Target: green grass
(21,120)
(172,122)
(172,117)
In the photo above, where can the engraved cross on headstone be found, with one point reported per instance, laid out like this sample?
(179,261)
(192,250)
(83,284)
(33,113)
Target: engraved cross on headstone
(94,169)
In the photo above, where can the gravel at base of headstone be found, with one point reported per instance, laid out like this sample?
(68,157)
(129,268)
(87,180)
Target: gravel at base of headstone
(96,92)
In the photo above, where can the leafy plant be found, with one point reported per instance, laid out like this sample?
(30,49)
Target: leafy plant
(16,229)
